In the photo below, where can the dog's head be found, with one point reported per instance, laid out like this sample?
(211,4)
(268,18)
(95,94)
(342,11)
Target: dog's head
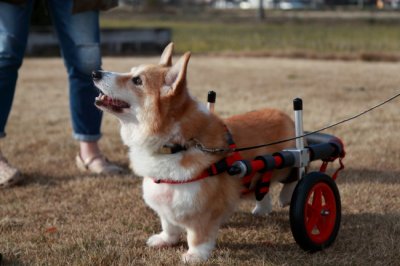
(148,94)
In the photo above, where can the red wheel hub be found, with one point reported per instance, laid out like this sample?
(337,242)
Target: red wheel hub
(320,213)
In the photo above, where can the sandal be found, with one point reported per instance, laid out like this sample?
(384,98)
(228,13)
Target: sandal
(98,165)
(9,175)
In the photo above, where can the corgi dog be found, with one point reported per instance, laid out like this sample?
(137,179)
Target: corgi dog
(157,115)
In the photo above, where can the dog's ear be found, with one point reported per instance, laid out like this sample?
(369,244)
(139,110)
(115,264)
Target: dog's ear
(176,75)
(166,57)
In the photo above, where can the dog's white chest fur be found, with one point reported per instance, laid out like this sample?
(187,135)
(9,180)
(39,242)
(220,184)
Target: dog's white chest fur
(173,201)
(146,161)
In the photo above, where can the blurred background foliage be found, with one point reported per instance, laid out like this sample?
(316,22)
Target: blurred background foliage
(343,29)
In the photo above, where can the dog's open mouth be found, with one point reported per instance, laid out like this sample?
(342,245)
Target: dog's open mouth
(112,104)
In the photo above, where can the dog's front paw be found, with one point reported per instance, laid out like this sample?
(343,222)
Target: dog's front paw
(161,240)
(190,257)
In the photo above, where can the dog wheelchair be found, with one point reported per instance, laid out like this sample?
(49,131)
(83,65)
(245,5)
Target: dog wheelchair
(315,207)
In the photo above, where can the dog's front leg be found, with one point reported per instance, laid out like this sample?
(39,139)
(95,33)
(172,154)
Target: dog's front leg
(201,242)
(168,237)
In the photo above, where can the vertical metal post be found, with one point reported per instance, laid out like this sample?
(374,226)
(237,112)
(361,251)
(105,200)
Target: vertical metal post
(211,97)
(298,119)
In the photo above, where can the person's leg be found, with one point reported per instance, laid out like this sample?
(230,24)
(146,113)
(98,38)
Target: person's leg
(79,40)
(14,27)
(79,37)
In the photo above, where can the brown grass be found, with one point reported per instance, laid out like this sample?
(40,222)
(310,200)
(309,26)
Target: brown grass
(59,216)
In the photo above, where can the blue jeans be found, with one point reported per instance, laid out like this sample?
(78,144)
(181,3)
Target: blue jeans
(79,38)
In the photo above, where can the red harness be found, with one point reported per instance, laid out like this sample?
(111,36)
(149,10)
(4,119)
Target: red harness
(215,169)
(261,188)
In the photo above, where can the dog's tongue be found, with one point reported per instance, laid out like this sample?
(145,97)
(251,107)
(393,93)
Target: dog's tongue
(105,100)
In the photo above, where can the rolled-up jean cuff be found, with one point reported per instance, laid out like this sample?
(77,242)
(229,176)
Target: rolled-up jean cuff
(88,138)
(2,134)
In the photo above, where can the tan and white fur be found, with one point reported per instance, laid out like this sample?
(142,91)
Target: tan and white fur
(155,108)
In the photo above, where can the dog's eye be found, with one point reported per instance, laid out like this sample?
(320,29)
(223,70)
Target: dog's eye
(137,81)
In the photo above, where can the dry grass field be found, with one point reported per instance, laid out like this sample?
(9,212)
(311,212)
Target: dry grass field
(60,216)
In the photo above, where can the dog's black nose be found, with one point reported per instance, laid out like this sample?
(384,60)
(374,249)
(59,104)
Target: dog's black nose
(97,74)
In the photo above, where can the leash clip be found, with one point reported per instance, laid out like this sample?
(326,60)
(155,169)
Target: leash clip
(201,147)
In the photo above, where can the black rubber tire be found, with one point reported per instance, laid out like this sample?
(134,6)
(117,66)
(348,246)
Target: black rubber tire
(298,207)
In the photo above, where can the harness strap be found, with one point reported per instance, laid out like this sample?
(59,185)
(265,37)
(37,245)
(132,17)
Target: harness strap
(341,155)
(263,184)
(262,187)
(334,176)
(215,169)
(173,182)
(324,166)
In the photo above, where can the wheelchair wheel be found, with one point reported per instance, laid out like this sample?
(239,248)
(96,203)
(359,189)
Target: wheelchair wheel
(315,212)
